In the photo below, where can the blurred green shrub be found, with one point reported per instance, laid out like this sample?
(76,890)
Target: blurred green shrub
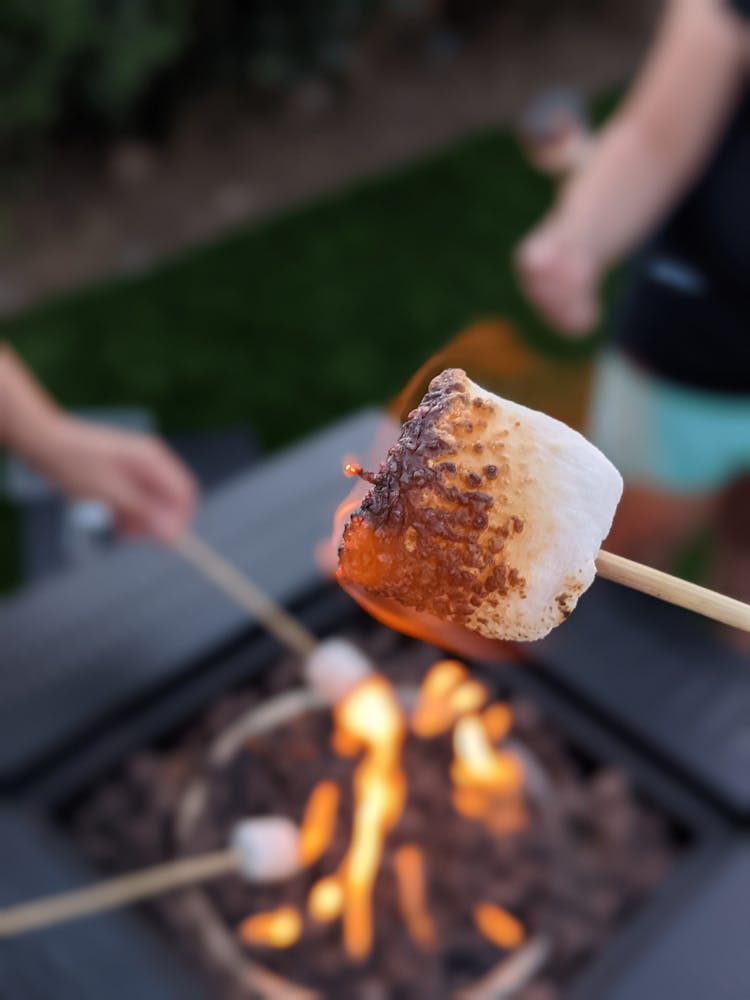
(97,64)
(270,45)
(82,60)
(123,65)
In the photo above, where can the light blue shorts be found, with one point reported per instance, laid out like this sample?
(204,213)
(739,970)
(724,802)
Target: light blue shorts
(664,435)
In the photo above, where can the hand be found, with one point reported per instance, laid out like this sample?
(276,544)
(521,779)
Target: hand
(149,490)
(560,277)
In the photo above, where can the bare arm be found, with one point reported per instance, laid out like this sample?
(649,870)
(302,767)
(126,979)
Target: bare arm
(644,161)
(147,487)
(28,416)
(665,132)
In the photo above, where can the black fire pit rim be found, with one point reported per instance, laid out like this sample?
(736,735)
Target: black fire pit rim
(163,710)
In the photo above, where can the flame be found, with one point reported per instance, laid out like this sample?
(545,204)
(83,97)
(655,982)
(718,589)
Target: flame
(493,354)
(379,797)
(497,720)
(470,802)
(370,714)
(499,926)
(280,928)
(433,713)
(319,823)
(326,899)
(488,782)
(446,693)
(468,698)
(426,627)
(344,744)
(409,863)
(442,678)
(326,552)
(477,764)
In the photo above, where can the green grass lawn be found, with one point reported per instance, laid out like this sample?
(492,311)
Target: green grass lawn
(290,324)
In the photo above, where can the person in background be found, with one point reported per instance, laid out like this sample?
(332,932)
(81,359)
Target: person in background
(150,492)
(669,174)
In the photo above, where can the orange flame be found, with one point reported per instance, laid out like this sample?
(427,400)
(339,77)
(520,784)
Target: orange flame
(426,627)
(344,744)
(326,899)
(470,802)
(371,714)
(409,863)
(442,678)
(279,928)
(386,433)
(499,926)
(493,354)
(488,782)
(379,796)
(433,714)
(477,764)
(319,823)
(445,694)
(468,698)
(497,720)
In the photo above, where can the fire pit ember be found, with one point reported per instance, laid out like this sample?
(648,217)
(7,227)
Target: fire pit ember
(454,846)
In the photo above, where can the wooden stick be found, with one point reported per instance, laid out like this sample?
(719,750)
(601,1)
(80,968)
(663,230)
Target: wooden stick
(511,974)
(247,594)
(116,892)
(668,588)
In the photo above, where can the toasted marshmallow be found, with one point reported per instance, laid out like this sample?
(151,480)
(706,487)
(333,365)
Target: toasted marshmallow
(485,513)
(267,848)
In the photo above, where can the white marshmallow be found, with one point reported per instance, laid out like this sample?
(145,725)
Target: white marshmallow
(335,667)
(268,848)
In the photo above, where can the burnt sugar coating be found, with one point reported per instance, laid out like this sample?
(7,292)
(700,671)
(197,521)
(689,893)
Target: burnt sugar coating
(485,514)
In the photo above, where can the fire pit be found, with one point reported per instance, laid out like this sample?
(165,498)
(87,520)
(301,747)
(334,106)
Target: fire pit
(120,682)
(487,886)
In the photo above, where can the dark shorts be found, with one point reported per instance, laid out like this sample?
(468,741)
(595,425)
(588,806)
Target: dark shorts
(683,325)
(671,405)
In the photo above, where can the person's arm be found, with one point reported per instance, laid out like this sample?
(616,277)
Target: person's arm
(643,162)
(147,487)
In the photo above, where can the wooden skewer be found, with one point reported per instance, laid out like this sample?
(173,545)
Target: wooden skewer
(509,976)
(672,589)
(250,597)
(116,892)
(620,570)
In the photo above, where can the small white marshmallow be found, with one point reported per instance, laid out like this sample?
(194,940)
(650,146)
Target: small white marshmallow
(268,848)
(335,667)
